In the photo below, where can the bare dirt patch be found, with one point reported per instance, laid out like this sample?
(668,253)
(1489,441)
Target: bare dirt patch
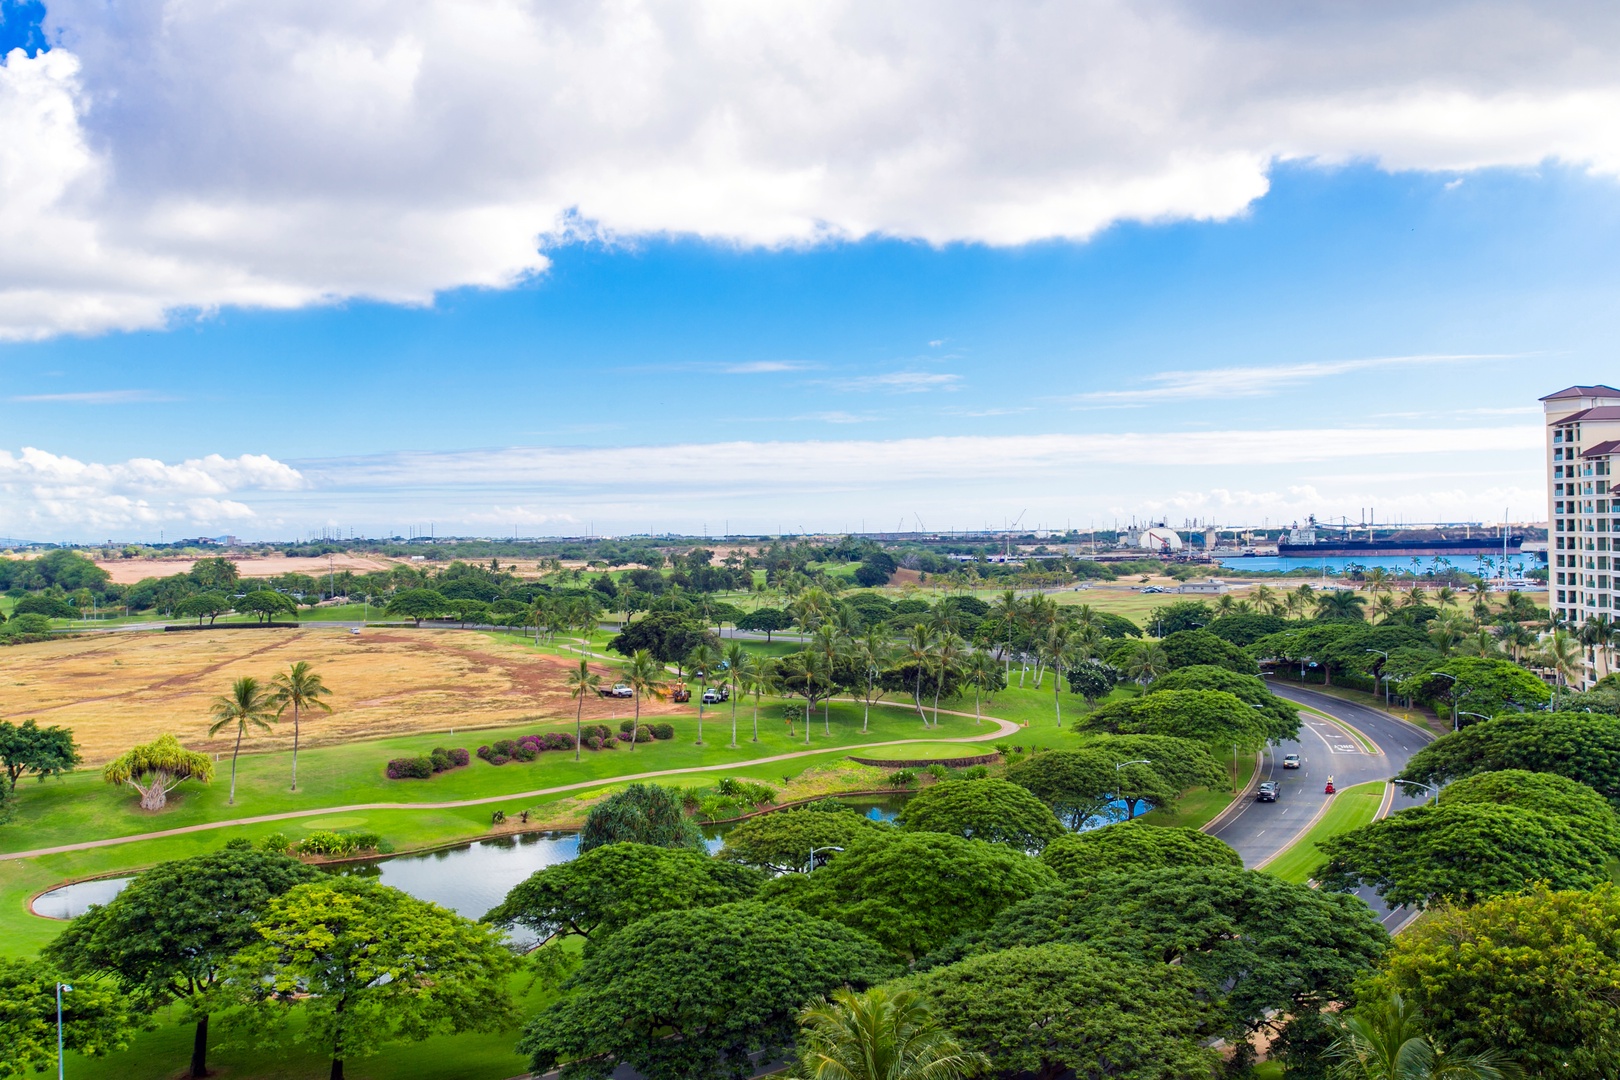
(115,690)
(129,571)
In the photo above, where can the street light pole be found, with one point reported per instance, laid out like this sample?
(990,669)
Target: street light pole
(1425,787)
(829,847)
(60,1065)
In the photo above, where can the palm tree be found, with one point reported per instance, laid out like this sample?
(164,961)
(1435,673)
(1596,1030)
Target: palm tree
(919,651)
(301,688)
(829,643)
(1054,649)
(765,680)
(1376,581)
(646,678)
(1148,661)
(1448,630)
(1445,596)
(871,651)
(1341,604)
(700,662)
(1414,596)
(1515,638)
(247,703)
(1386,607)
(948,657)
(881,1034)
(580,683)
(1384,1041)
(982,672)
(1561,652)
(1265,598)
(1006,614)
(741,667)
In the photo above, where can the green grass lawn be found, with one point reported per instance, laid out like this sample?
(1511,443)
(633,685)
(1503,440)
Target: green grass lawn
(1352,808)
(928,751)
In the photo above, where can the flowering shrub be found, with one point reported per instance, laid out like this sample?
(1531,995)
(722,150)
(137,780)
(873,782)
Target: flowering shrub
(459,757)
(643,734)
(498,759)
(557,740)
(662,731)
(601,731)
(484,752)
(410,768)
(594,742)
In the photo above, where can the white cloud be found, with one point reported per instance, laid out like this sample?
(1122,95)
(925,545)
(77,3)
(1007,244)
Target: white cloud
(901,382)
(52,492)
(763,367)
(185,156)
(92,397)
(1257,381)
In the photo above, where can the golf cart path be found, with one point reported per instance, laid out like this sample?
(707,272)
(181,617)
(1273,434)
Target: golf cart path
(1002,728)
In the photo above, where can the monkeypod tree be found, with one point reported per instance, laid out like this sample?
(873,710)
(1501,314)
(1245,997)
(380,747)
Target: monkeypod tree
(418,604)
(28,749)
(156,768)
(691,995)
(1128,847)
(1464,852)
(781,842)
(169,935)
(367,965)
(986,809)
(610,887)
(1581,746)
(879,882)
(1044,1010)
(1211,717)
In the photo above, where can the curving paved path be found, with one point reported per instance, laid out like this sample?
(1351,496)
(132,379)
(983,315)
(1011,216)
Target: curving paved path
(1002,728)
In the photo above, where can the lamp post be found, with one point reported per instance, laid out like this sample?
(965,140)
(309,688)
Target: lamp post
(1425,787)
(60,1065)
(1381,677)
(1119,766)
(1455,686)
(829,847)
(1463,712)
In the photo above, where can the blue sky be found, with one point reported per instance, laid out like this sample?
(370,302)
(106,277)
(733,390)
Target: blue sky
(1351,334)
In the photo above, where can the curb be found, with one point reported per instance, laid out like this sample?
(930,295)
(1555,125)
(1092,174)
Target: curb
(1239,800)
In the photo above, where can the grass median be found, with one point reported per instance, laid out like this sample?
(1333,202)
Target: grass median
(1351,809)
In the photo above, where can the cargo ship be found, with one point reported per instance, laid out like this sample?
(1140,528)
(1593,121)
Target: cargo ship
(1312,542)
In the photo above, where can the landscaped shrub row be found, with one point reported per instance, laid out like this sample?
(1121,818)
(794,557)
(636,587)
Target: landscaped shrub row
(525,747)
(424,766)
(647,732)
(327,843)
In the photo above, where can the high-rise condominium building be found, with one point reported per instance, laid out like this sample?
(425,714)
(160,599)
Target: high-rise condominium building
(1583,439)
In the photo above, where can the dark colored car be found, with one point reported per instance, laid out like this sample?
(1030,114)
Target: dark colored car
(1266,792)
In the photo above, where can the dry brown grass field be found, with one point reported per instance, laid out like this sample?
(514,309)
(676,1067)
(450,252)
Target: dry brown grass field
(115,690)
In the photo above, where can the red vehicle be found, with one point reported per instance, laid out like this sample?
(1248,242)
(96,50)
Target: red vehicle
(1329,789)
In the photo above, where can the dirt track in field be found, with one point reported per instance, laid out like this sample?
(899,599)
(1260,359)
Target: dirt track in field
(115,690)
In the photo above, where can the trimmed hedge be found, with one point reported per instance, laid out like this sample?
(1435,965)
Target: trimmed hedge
(662,731)
(422,767)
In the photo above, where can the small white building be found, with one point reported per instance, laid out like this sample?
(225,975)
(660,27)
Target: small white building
(1205,587)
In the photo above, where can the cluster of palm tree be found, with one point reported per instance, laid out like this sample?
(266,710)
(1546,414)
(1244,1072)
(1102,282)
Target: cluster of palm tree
(252,705)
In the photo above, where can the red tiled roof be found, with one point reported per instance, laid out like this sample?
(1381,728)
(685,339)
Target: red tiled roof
(1583,391)
(1602,412)
(1602,449)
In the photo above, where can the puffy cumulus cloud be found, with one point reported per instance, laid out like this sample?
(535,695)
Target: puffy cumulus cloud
(173,156)
(53,492)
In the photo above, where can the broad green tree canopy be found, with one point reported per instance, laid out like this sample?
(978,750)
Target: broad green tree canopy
(780,842)
(1531,976)
(1464,852)
(1079,858)
(610,887)
(986,809)
(96,1018)
(1045,1009)
(1581,746)
(1211,717)
(27,748)
(913,891)
(369,965)
(725,982)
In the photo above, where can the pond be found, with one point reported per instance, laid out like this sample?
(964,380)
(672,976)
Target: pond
(468,879)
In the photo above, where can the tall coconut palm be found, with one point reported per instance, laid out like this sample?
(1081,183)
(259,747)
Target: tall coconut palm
(1265,598)
(1384,1040)
(1054,650)
(1340,604)
(646,678)
(1515,637)
(984,673)
(872,651)
(300,688)
(1006,615)
(918,651)
(766,680)
(740,670)
(1376,580)
(1561,654)
(830,644)
(702,662)
(881,1034)
(1385,608)
(1147,662)
(949,654)
(580,684)
(247,705)
(1445,596)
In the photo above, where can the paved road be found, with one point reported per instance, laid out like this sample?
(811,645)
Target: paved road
(1261,830)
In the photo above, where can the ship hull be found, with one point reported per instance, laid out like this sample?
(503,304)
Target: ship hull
(1385,549)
